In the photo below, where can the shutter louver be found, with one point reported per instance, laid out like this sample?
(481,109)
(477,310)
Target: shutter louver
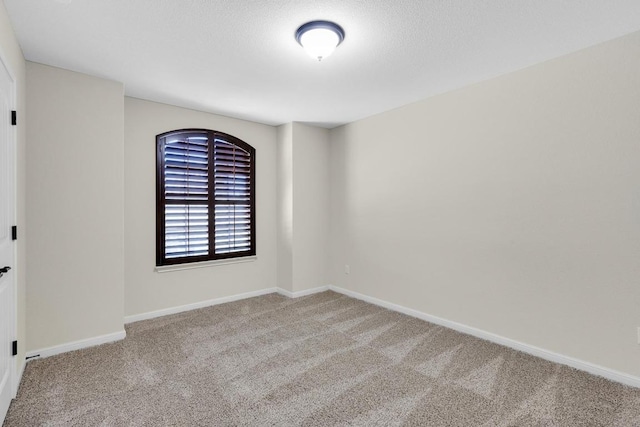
(186,230)
(233,228)
(186,168)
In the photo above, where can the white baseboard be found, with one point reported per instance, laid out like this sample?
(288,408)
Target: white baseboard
(76,345)
(196,305)
(551,356)
(594,369)
(303,293)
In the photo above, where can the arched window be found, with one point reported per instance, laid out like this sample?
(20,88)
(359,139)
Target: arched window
(205,197)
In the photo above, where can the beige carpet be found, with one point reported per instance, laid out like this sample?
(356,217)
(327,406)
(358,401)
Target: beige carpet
(321,360)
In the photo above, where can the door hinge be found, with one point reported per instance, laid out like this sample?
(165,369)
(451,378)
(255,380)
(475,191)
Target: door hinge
(14,348)
(14,232)
(14,118)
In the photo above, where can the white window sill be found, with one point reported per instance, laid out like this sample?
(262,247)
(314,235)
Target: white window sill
(203,264)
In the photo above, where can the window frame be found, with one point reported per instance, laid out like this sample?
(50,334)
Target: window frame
(211,202)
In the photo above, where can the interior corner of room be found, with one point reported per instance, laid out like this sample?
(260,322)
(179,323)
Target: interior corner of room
(508,207)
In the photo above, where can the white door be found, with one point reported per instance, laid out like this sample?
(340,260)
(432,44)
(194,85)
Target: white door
(7,212)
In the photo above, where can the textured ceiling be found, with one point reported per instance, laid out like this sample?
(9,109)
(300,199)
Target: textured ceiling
(239,57)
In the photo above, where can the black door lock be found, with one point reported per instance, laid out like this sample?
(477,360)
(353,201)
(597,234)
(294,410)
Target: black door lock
(4,270)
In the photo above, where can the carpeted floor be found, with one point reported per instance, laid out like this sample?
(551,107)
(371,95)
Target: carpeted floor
(321,360)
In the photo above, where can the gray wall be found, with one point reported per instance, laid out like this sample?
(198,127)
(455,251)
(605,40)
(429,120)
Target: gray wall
(284,166)
(310,206)
(75,204)
(512,205)
(303,206)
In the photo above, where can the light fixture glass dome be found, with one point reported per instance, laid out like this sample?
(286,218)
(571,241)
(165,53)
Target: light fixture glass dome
(319,38)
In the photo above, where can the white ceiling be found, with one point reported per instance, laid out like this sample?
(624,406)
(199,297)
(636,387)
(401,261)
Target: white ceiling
(239,57)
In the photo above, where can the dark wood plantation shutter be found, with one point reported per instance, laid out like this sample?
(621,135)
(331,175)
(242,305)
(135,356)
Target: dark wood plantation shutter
(233,165)
(205,197)
(186,196)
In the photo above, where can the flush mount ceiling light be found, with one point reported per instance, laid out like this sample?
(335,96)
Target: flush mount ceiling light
(320,38)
